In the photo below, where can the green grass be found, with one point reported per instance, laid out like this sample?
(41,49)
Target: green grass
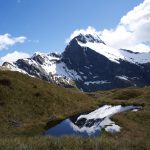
(26,105)
(74,143)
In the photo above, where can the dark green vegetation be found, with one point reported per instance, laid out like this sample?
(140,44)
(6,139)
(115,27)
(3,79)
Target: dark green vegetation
(27,104)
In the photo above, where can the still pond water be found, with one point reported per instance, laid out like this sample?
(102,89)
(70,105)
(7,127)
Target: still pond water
(90,124)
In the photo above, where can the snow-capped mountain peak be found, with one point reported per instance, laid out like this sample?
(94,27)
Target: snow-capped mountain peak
(95,43)
(110,53)
(90,34)
(89,64)
(88,38)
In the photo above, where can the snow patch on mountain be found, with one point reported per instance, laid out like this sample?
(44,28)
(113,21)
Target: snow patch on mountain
(13,67)
(50,64)
(123,77)
(97,82)
(116,55)
(61,70)
(111,53)
(140,58)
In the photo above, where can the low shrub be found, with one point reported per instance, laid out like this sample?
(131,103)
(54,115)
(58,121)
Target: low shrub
(5,82)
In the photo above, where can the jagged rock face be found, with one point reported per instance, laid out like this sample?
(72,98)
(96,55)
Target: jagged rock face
(90,65)
(38,59)
(88,38)
(86,62)
(33,69)
(94,67)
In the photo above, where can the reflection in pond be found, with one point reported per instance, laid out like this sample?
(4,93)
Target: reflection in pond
(90,124)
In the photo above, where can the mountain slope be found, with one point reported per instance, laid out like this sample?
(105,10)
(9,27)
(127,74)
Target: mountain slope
(89,64)
(102,67)
(27,104)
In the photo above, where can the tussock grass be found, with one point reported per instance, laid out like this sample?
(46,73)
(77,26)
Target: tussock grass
(127,94)
(27,104)
(73,143)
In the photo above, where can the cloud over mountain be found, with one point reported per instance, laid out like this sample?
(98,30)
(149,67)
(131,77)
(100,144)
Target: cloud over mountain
(7,40)
(132,32)
(11,57)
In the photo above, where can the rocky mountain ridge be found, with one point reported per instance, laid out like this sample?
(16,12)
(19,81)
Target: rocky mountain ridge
(88,64)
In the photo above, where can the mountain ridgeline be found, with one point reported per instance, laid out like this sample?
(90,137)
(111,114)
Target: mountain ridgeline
(88,64)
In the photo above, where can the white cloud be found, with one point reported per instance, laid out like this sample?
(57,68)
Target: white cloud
(132,31)
(7,40)
(11,57)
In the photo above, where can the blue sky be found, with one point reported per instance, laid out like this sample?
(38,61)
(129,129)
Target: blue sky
(48,23)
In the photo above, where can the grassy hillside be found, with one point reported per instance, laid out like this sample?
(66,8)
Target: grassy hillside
(26,104)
